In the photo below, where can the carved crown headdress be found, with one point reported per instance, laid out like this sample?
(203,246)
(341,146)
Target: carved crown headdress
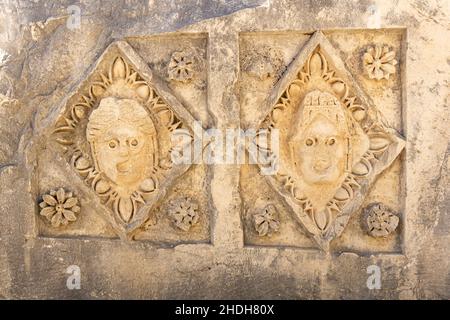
(322,103)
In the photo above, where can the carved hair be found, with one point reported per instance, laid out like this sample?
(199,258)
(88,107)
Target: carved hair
(111,110)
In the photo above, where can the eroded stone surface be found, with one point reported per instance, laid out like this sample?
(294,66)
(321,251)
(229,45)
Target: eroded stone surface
(89,111)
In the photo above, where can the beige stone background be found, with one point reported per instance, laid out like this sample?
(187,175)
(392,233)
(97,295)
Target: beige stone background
(44,68)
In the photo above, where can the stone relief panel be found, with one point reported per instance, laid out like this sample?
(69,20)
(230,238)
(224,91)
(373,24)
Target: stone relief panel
(335,143)
(112,139)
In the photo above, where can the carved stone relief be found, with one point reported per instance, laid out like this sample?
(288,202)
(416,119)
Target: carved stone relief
(381,221)
(59,207)
(185,65)
(379,62)
(266,222)
(184,213)
(90,102)
(333,140)
(115,133)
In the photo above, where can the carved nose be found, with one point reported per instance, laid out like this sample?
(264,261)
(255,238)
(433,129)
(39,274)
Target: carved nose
(123,152)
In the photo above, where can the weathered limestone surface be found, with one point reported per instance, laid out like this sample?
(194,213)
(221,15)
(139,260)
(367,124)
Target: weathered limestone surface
(359,93)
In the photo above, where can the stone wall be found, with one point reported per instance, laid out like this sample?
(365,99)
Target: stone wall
(121,167)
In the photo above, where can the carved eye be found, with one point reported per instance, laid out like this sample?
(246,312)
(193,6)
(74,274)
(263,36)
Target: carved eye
(112,144)
(331,141)
(309,142)
(134,142)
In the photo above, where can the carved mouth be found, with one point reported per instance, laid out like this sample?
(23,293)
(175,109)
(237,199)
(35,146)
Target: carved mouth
(123,167)
(321,166)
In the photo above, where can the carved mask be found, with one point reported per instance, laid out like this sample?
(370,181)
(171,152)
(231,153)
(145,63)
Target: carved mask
(320,148)
(123,141)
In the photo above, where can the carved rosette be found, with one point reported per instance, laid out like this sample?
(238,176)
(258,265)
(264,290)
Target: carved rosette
(184,213)
(59,207)
(185,65)
(266,222)
(117,137)
(370,146)
(381,221)
(379,62)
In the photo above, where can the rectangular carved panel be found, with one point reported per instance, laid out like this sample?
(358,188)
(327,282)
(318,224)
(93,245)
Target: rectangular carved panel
(325,96)
(114,138)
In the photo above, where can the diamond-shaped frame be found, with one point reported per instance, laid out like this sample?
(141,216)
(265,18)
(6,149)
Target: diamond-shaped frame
(385,144)
(162,106)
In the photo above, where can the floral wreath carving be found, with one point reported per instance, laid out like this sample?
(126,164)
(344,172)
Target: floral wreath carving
(121,81)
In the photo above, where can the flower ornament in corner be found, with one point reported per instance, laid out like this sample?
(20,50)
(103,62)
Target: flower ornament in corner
(379,62)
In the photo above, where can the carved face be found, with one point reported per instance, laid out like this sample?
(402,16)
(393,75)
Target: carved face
(123,139)
(123,152)
(321,152)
